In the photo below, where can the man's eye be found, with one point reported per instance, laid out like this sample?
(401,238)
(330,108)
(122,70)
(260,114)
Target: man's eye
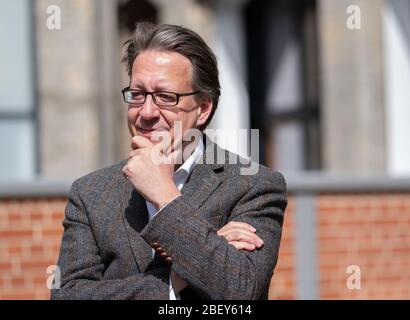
(165,97)
(137,95)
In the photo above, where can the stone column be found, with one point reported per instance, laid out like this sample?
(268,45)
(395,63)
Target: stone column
(396,17)
(69,125)
(108,87)
(79,87)
(353,123)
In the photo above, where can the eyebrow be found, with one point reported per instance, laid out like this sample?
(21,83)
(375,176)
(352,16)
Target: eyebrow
(142,88)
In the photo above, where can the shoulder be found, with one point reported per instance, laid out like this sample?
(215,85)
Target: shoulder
(256,175)
(247,174)
(100,179)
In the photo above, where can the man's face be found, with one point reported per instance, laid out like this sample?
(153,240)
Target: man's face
(164,71)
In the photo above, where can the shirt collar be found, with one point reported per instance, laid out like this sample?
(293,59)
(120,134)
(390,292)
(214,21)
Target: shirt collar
(183,172)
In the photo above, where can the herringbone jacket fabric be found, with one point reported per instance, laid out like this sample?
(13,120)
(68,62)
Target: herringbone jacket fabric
(106,249)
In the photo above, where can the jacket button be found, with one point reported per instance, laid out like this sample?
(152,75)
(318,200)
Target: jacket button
(155,245)
(159,250)
(168,260)
(163,255)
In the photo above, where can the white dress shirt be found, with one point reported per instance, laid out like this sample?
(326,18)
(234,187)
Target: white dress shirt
(180,177)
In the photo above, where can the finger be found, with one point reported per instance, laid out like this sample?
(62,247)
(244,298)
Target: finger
(138,142)
(232,228)
(160,148)
(242,245)
(176,146)
(166,151)
(163,139)
(176,139)
(244,236)
(125,172)
(238,224)
(235,230)
(243,225)
(169,147)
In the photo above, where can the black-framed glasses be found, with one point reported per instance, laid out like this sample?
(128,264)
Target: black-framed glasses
(160,98)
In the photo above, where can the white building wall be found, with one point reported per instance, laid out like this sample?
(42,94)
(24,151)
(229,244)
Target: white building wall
(396,21)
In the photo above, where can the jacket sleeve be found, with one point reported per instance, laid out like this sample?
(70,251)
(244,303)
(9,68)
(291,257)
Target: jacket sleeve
(211,266)
(82,267)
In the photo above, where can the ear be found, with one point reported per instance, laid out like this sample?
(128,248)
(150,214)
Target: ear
(204,110)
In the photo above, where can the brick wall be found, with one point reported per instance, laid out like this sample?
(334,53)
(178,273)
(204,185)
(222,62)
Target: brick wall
(30,235)
(283,283)
(372,232)
(367,230)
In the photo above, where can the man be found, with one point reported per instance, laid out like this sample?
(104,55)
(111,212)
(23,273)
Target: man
(151,227)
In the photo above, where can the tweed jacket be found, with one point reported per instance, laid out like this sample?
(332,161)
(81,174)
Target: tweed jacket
(106,249)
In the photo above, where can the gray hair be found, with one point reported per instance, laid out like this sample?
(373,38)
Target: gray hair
(167,37)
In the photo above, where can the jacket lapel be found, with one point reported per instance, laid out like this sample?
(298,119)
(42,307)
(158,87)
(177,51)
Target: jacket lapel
(204,179)
(200,184)
(135,216)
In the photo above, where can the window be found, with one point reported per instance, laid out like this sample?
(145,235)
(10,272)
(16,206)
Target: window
(17,113)
(283,78)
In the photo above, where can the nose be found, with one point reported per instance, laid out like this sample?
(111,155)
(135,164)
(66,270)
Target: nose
(149,109)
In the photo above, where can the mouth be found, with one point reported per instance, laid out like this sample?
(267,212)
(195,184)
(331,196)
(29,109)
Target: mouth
(146,131)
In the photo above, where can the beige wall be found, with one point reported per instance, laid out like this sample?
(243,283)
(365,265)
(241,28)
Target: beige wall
(353,115)
(67,89)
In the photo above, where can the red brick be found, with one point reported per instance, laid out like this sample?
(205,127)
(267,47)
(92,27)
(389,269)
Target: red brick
(18,281)
(43,295)
(15,233)
(15,250)
(18,296)
(53,232)
(39,281)
(37,265)
(36,216)
(58,216)
(37,249)
(14,217)
(5,266)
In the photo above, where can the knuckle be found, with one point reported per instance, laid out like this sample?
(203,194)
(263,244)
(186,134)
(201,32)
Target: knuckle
(235,234)
(242,224)
(222,229)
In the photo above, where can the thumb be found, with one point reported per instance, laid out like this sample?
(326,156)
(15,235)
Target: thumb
(138,142)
